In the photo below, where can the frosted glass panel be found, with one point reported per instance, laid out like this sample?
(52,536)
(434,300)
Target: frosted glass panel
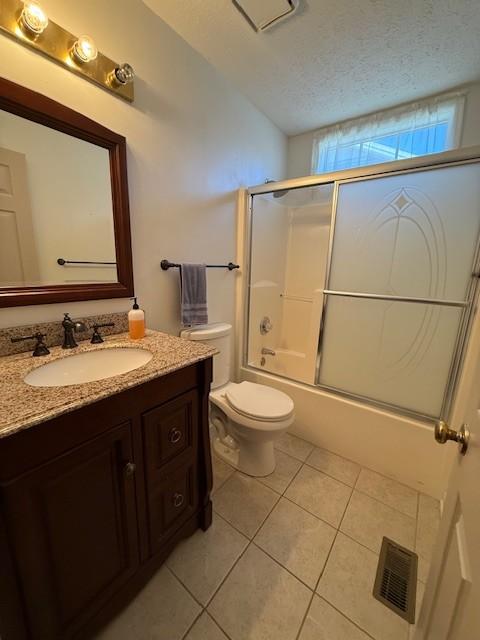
(393,352)
(413,234)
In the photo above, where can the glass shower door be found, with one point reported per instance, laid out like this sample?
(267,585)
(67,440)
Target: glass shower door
(290,235)
(400,285)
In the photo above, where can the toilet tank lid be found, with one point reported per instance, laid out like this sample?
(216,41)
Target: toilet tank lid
(207,331)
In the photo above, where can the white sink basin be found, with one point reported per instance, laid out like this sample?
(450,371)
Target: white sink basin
(88,367)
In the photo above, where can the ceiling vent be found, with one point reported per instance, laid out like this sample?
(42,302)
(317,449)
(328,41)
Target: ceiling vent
(263,15)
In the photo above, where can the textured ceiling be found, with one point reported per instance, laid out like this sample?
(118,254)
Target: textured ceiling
(335,59)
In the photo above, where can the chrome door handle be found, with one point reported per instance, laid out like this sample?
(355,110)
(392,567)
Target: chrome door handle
(443,433)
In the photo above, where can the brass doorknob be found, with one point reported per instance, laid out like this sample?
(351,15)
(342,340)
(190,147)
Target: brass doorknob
(443,433)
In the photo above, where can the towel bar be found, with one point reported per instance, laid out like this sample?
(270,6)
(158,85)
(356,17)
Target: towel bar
(62,262)
(166,264)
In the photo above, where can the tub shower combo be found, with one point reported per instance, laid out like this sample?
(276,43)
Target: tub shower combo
(362,283)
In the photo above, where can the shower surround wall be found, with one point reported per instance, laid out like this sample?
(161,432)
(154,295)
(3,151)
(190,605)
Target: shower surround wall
(289,251)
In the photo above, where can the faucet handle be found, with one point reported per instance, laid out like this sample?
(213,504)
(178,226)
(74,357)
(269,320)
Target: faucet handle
(41,348)
(96,337)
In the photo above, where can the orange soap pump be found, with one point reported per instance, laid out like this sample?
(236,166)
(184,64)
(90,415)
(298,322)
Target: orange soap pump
(136,322)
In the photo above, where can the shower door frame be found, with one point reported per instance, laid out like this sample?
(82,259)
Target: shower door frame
(469,155)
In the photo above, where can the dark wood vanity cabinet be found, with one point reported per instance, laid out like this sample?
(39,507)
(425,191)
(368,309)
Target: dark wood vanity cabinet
(93,501)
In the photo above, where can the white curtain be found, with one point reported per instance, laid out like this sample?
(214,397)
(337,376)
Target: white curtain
(353,143)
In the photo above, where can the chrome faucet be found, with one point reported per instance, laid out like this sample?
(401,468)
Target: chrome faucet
(268,352)
(69,327)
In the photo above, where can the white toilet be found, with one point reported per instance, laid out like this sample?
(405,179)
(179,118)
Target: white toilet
(247,417)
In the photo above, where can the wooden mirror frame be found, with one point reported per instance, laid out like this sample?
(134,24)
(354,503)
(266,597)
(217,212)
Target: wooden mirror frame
(38,108)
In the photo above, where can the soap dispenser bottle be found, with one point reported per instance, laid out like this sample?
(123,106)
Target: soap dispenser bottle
(136,322)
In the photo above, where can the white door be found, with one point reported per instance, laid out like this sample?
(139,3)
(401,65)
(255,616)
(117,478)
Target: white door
(451,609)
(18,257)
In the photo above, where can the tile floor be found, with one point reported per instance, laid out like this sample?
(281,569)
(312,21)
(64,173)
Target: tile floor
(289,557)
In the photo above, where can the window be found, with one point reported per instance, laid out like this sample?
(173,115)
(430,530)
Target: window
(417,129)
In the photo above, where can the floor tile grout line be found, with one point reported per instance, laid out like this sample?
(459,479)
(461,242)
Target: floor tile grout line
(282,566)
(261,480)
(346,508)
(342,613)
(183,585)
(333,453)
(298,471)
(223,582)
(278,498)
(311,512)
(310,444)
(309,464)
(407,486)
(300,629)
(325,473)
(384,503)
(217,624)
(193,624)
(316,586)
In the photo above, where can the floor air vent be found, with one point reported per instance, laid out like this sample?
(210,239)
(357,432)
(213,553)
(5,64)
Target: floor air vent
(396,579)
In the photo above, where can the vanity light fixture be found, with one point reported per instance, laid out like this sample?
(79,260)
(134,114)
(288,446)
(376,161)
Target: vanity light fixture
(33,18)
(84,50)
(26,22)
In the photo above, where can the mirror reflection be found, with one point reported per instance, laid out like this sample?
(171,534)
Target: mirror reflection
(56,215)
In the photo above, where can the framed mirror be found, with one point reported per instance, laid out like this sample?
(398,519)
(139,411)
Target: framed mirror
(64,212)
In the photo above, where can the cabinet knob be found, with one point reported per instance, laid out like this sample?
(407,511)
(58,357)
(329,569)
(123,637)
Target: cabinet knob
(130,468)
(178,500)
(175,435)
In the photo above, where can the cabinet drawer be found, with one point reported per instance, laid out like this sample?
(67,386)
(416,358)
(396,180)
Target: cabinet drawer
(170,430)
(171,503)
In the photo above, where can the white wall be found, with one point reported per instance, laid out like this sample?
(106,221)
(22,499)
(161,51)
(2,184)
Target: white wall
(192,138)
(299,155)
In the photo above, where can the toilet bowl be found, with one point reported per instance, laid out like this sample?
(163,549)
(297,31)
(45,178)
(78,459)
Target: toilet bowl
(246,417)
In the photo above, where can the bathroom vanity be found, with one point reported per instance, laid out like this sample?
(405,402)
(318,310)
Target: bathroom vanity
(98,483)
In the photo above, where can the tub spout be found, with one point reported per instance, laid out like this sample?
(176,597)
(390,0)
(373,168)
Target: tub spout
(267,352)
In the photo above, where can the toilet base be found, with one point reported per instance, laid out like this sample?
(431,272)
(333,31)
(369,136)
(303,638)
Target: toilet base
(255,459)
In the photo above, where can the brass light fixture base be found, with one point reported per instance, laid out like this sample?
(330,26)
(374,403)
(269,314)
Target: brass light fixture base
(56,43)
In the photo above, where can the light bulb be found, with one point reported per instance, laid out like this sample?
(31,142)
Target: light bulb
(84,49)
(124,74)
(33,17)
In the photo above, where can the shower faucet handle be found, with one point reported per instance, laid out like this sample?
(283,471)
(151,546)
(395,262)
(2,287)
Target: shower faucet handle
(265,325)
(268,352)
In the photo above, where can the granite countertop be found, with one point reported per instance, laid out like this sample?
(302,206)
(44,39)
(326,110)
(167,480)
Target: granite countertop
(23,406)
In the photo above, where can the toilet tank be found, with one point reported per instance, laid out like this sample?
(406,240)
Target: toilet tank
(217,336)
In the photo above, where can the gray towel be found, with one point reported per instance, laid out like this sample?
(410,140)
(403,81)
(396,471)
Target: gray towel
(193,283)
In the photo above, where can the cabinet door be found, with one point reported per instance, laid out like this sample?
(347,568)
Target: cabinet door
(170,434)
(72,525)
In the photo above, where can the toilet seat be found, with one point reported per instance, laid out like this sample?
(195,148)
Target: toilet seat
(259,402)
